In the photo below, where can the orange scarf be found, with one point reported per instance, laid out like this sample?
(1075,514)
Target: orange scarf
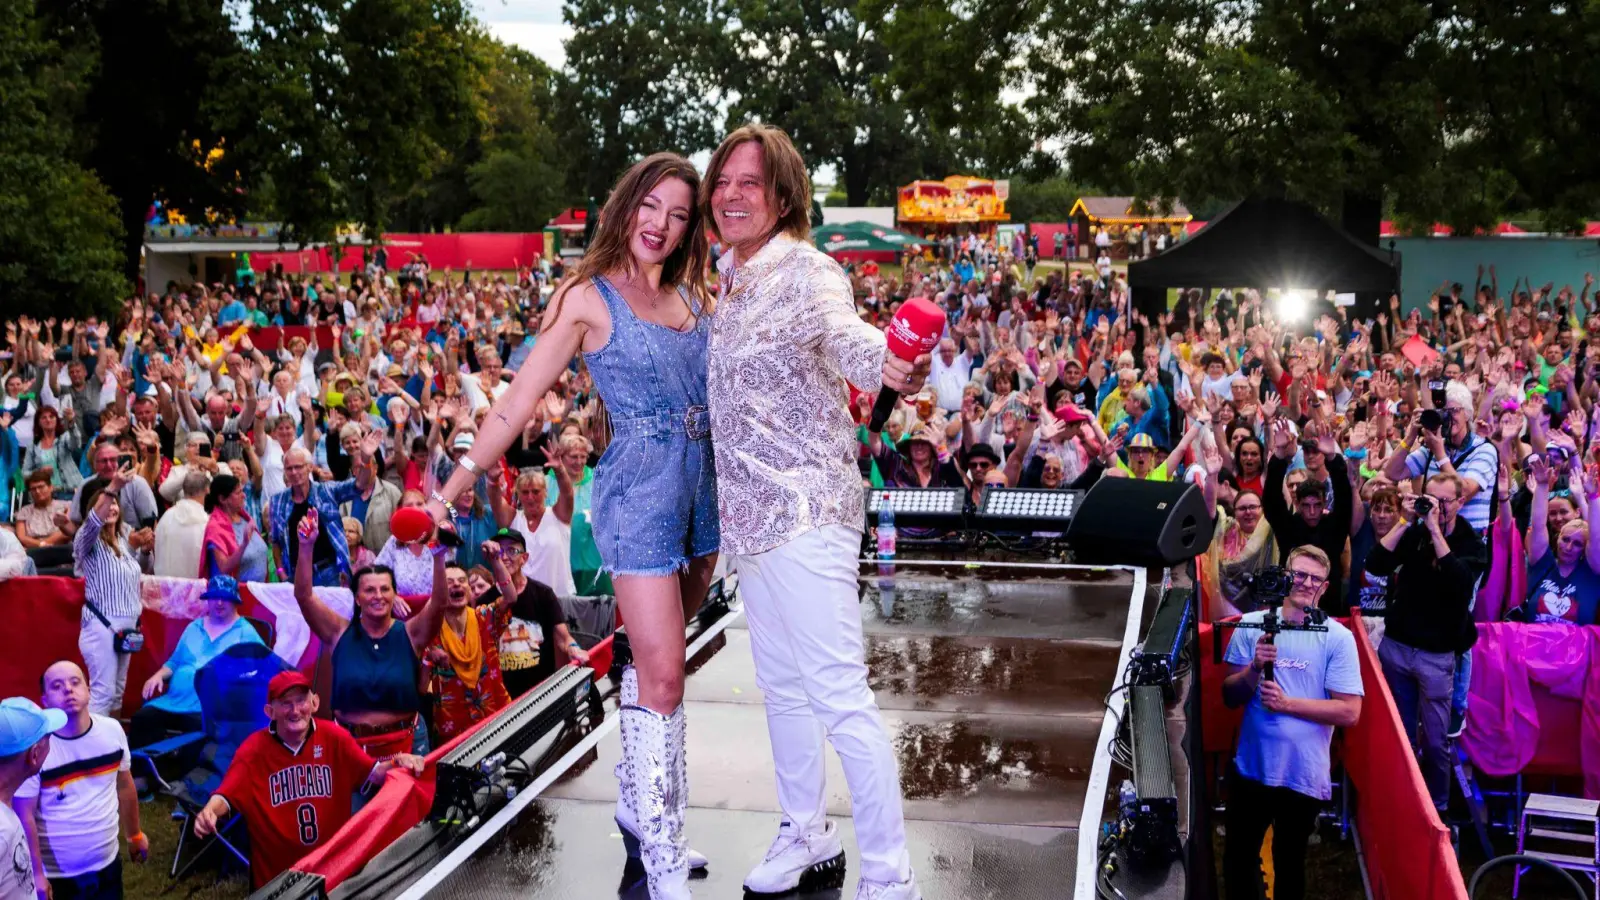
(465,652)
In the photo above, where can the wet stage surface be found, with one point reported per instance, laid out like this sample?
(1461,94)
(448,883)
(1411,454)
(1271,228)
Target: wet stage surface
(990,681)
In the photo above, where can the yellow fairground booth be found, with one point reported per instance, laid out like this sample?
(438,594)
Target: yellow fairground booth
(1133,226)
(958,204)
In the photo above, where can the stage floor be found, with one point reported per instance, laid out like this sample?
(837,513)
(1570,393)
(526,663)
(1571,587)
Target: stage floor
(990,678)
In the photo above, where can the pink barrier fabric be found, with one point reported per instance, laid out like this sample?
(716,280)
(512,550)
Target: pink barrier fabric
(1507,583)
(475,250)
(1535,701)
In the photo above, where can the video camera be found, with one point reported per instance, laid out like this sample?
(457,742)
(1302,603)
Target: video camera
(1270,625)
(1269,583)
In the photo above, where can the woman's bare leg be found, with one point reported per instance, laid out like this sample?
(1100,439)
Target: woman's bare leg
(652,608)
(694,582)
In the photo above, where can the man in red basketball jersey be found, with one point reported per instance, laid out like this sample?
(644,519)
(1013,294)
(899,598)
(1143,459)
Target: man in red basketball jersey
(293,780)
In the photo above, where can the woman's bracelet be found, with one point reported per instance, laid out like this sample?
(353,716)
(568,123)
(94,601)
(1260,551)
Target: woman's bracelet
(466,463)
(448,506)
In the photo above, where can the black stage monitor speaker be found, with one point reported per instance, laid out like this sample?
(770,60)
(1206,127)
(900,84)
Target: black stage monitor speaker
(1125,521)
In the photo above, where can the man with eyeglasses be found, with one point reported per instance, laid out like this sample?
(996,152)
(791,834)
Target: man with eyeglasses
(1280,773)
(1434,558)
(1452,449)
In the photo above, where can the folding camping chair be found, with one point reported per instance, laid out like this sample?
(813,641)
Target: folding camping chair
(233,696)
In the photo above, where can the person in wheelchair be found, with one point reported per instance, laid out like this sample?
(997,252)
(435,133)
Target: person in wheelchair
(293,780)
(171,704)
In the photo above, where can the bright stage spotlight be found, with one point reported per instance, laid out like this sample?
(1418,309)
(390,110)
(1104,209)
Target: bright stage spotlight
(1294,305)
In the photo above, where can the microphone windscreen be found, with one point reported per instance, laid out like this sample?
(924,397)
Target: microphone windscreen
(915,328)
(410,525)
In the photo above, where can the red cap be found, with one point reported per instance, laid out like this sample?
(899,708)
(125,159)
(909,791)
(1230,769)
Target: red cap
(284,682)
(410,525)
(915,328)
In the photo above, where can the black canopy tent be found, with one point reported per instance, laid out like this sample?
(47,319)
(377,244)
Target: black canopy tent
(1265,244)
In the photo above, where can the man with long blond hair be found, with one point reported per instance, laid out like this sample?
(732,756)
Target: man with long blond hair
(784,342)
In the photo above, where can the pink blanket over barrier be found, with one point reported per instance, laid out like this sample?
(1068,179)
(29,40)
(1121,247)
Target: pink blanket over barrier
(1510,662)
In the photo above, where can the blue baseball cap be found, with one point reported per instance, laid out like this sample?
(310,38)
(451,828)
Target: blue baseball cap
(23,724)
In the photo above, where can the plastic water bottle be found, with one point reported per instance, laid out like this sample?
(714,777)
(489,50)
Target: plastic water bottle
(886,529)
(886,541)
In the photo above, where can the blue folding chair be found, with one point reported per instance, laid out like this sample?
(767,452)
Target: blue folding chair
(232,689)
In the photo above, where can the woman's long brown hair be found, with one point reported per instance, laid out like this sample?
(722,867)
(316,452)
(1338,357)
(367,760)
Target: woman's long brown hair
(609,251)
(111,532)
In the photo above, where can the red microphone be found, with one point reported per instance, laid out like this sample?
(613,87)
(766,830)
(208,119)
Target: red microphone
(914,330)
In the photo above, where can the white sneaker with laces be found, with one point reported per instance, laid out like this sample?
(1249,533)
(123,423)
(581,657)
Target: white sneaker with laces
(883,890)
(809,862)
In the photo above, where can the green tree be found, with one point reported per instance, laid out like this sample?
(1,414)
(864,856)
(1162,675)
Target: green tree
(349,106)
(146,71)
(1335,103)
(59,241)
(504,175)
(641,80)
(1043,200)
(839,76)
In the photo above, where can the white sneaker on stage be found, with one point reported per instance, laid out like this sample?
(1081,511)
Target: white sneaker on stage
(881,890)
(811,862)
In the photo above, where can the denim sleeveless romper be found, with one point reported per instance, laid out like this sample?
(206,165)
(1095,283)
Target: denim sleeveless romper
(654,505)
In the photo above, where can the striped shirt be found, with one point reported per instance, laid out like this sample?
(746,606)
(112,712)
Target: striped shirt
(110,578)
(1478,462)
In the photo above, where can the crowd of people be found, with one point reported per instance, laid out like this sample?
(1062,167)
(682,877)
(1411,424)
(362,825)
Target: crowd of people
(1390,463)
(1406,464)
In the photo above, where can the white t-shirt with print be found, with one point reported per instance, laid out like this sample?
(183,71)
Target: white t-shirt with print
(16,869)
(77,791)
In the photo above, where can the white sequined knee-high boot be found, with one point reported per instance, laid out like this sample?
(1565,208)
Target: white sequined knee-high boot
(652,750)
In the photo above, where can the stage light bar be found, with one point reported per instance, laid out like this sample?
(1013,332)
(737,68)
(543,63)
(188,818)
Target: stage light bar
(920,507)
(1027,509)
(509,735)
(293,885)
(1154,838)
(1155,662)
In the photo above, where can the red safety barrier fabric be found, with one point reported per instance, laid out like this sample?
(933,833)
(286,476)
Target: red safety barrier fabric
(1408,850)
(476,250)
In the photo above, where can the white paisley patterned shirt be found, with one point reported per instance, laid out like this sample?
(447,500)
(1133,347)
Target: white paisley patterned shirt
(785,338)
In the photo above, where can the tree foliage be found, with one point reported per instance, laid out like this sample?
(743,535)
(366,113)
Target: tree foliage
(348,106)
(642,78)
(1457,110)
(142,127)
(59,252)
(1043,200)
(854,84)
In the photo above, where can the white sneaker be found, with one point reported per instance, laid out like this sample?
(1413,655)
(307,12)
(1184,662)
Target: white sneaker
(809,862)
(883,890)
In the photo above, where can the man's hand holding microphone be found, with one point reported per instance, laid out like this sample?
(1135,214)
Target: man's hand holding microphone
(913,333)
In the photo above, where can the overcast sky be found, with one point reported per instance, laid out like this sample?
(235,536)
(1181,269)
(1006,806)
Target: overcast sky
(533,25)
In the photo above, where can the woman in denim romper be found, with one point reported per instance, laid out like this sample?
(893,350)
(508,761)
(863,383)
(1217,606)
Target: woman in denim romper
(637,308)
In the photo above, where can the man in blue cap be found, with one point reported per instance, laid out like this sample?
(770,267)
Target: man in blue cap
(25,731)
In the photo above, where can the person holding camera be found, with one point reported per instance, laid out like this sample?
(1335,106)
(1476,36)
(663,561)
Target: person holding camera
(106,550)
(1310,522)
(1445,443)
(1434,558)
(1280,774)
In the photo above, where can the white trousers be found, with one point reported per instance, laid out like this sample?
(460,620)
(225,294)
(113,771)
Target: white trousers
(802,604)
(108,669)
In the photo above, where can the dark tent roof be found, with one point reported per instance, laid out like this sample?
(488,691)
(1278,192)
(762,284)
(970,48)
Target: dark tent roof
(1269,244)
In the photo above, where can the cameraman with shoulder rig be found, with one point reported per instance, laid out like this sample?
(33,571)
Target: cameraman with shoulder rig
(1435,558)
(1280,773)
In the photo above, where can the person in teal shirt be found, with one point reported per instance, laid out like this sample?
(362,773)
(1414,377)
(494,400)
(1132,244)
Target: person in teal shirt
(171,704)
(587,570)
